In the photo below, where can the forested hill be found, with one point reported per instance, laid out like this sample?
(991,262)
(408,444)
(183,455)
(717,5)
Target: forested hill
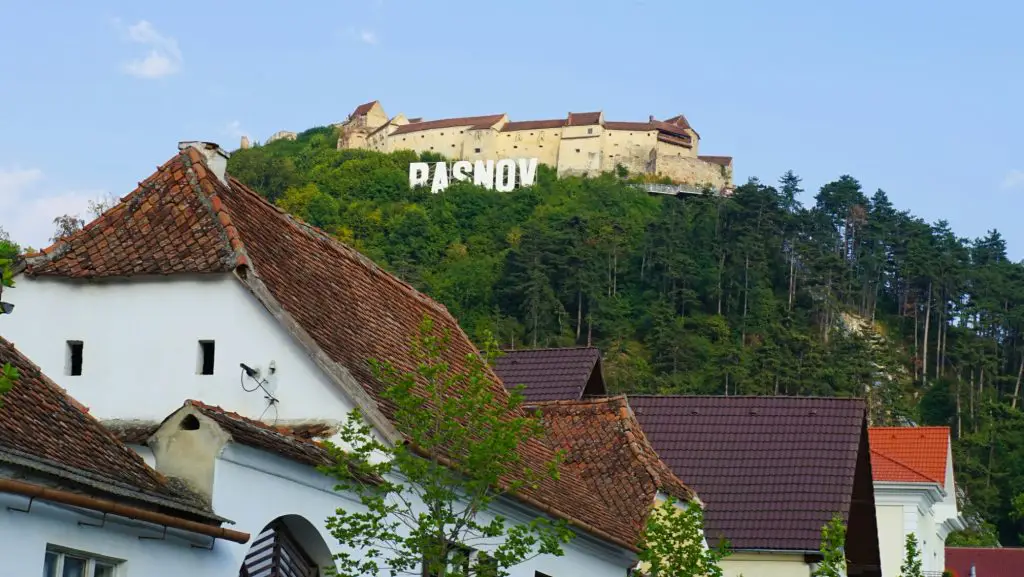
(769,291)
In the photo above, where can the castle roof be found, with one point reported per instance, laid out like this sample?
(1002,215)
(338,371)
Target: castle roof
(533,124)
(343,308)
(583,118)
(363,109)
(474,122)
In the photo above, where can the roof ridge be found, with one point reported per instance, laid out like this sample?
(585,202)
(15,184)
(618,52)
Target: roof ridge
(914,428)
(282,431)
(198,172)
(637,440)
(789,397)
(342,249)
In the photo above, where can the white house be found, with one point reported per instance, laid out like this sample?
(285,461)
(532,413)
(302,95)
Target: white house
(76,501)
(195,287)
(914,493)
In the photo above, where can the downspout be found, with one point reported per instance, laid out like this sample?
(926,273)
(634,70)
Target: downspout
(126,511)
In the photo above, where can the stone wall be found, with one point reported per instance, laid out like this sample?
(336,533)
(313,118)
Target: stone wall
(690,170)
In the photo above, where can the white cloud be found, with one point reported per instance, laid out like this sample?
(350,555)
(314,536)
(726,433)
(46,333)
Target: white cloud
(368,37)
(30,205)
(163,58)
(1013,179)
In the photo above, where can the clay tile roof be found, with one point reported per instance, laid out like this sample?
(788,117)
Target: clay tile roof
(533,125)
(671,129)
(680,121)
(771,471)
(550,374)
(640,126)
(604,443)
(583,118)
(362,109)
(909,454)
(346,309)
(278,440)
(720,160)
(470,121)
(165,226)
(987,562)
(45,430)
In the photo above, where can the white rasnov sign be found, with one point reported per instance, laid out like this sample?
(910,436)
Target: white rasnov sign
(502,176)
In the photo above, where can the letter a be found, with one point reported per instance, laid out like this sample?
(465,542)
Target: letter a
(440,178)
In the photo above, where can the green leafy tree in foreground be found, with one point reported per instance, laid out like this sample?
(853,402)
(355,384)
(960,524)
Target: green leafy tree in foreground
(672,544)
(428,500)
(912,559)
(833,540)
(8,252)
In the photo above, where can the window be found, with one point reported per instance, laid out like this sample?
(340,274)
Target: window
(476,150)
(73,361)
(590,131)
(577,150)
(59,563)
(204,366)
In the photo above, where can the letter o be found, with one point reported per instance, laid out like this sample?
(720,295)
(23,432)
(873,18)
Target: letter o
(505,179)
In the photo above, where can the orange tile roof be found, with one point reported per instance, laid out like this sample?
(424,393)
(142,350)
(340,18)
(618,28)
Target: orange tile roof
(604,443)
(346,308)
(909,454)
(474,122)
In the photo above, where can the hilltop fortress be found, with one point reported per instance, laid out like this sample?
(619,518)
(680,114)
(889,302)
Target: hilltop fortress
(580,143)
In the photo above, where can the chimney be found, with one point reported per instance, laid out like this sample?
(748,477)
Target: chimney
(216,157)
(650,118)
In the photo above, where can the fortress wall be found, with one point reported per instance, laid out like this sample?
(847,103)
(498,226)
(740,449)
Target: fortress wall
(540,143)
(692,170)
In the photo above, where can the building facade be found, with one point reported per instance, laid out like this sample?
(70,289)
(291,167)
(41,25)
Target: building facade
(580,143)
(166,295)
(915,493)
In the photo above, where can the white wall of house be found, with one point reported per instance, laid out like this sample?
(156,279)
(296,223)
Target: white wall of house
(253,488)
(24,538)
(902,509)
(141,346)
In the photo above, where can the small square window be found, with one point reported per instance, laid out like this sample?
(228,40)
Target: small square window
(476,150)
(515,146)
(204,366)
(73,360)
(577,150)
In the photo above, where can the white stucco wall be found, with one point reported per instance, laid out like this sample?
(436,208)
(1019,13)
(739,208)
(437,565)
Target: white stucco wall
(902,509)
(891,538)
(253,488)
(141,346)
(25,536)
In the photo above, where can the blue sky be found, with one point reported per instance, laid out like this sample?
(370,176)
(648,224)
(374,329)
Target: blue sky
(921,99)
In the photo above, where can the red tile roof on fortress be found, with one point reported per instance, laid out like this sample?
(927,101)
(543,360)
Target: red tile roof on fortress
(605,444)
(362,109)
(638,126)
(44,429)
(583,118)
(473,122)
(533,125)
(346,308)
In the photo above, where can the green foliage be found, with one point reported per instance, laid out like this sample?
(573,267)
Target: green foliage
(911,559)
(672,544)
(757,293)
(8,252)
(8,378)
(429,498)
(833,543)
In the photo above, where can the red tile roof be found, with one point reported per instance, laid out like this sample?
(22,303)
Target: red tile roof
(987,562)
(583,118)
(45,430)
(639,126)
(680,121)
(771,471)
(473,122)
(605,444)
(342,307)
(278,440)
(552,374)
(362,109)
(533,125)
(909,454)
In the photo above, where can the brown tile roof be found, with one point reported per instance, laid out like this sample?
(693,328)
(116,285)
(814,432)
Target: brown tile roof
(45,430)
(604,443)
(680,121)
(671,130)
(278,440)
(363,109)
(533,125)
(162,227)
(987,562)
(552,374)
(639,126)
(471,121)
(583,118)
(341,306)
(720,160)
(770,470)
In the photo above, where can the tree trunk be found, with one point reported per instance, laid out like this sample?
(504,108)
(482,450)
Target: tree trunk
(1016,388)
(579,313)
(924,353)
(746,291)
